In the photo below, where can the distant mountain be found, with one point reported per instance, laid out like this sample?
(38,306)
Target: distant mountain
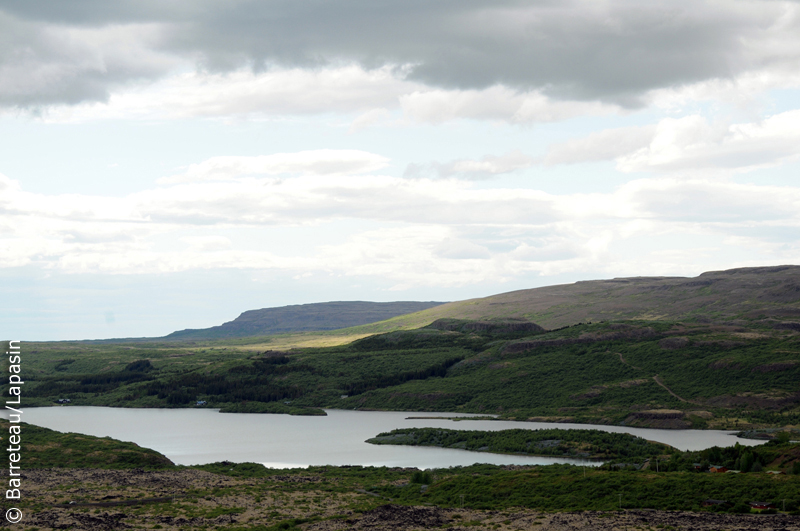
(753,293)
(305,318)
(721,350)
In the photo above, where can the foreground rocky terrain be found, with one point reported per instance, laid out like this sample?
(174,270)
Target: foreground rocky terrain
(99,500)
(402,517)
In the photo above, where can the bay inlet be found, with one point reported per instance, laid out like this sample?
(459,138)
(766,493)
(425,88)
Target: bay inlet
(199,436)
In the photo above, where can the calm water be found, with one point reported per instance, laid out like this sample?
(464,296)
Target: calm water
(197,436)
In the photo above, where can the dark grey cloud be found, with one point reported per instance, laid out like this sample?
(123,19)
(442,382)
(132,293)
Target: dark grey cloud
(609,51)
(43,63)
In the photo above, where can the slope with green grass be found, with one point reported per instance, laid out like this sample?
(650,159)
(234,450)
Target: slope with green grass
(652,374)
(46,448)
(749,293)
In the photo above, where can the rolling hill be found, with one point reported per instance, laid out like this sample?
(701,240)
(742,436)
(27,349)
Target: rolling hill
(721,350)
(304,318)
(755,293)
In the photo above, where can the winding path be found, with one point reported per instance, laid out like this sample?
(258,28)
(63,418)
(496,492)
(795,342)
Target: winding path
(626,363)
(659,382)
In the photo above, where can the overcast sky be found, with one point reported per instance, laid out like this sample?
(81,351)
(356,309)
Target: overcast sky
(168,164)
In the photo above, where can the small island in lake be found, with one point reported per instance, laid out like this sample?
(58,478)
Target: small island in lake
(577,444)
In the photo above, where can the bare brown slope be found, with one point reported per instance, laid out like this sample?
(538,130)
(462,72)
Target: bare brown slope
(749,293)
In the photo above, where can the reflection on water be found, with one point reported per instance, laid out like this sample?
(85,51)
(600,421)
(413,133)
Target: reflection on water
(197,436)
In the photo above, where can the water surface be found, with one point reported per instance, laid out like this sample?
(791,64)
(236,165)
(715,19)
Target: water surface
(198,436)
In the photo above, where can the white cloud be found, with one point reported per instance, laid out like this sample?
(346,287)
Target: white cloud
(350,89)
(603,145)
(208,243)
(743,92)
(693,144)
(311,199)
(436,232)
(711,201)
(492,165)
(369,119)
(315,162)
(242,92)
(690,144)
(573,50)
(460,248)
(487,166)
(422,255)
(496,103)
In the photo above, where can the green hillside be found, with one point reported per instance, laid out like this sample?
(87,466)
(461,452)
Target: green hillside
(755,293)
(657,373)
(767,294)
(46,448)
(718,351)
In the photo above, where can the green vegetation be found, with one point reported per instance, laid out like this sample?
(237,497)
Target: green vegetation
(271,407)
(231,379)
(656,374)
(777,455)
(45,448)
(570,488)
(587,444)
(548,488)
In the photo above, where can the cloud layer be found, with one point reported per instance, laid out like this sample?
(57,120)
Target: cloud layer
(331,162)
(571,139)
(614,53)
(689,144)
(414,232)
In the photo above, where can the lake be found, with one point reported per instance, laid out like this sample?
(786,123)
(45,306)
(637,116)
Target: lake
(199,436)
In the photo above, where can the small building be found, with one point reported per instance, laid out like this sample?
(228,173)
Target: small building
(761,506)
(717,469)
